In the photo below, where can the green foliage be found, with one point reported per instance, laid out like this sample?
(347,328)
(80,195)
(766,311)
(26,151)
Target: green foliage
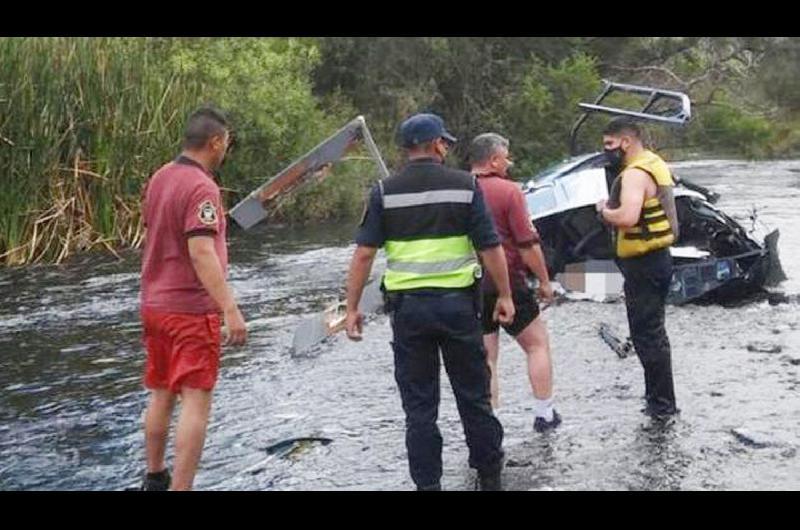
(779,75)
(539,114)
(83,122)
(730,129)
(264,84)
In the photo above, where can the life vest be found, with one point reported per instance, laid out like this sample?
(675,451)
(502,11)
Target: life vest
(426,214)
(658,224)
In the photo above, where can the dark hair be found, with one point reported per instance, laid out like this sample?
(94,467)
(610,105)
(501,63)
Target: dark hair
(623,125)
(204,124)
(420,147)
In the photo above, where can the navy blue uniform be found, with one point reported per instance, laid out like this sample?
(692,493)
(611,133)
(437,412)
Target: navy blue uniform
(427,320)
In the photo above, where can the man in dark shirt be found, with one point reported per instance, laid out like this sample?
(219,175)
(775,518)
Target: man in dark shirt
(430,220)
(490,161)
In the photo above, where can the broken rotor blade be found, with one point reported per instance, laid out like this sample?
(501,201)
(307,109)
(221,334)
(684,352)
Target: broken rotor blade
(313,164)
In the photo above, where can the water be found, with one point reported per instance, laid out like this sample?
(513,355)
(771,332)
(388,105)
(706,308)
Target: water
(71,400)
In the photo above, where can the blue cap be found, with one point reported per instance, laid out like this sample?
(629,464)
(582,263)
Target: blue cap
(421,128)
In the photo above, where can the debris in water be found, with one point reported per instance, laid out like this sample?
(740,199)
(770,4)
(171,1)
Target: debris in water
(623,348)
(753,438)
(284,449)
(293,445)
(764,347)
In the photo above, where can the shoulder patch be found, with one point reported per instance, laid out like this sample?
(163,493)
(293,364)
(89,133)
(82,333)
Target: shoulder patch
(207,213)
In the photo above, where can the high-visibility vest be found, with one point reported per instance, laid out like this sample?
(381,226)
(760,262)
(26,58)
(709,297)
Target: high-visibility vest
(426,215)
(658,223)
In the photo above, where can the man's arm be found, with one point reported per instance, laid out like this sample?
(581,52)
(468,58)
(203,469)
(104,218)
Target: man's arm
(207,266)
(360,267)
(527,241)
(494,259)
(369,238)
(533,258)
(632,196)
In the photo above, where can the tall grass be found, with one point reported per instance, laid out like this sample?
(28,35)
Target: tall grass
(83,122)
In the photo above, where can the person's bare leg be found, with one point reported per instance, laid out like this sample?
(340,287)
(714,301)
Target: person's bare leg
(535,341)
(190,436)
(156,428)
(491,343)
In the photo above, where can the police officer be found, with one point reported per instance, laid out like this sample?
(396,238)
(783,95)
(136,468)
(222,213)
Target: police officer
(641,207)
(430,220)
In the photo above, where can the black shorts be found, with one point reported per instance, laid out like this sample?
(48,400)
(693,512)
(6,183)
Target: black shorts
(527,309)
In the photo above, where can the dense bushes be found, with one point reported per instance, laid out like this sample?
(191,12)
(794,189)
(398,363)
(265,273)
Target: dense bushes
(83,122)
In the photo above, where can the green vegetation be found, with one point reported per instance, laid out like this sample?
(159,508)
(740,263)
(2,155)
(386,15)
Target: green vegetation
(85,121)
(80,131)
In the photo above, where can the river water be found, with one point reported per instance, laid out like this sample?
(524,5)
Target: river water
(71,400)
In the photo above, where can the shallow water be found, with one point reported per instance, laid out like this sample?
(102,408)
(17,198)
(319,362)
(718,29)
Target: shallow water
(71,403)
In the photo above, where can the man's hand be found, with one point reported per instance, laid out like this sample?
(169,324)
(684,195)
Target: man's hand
(504,310)
(545,292)
(354,325)
(236,327)
(360,266)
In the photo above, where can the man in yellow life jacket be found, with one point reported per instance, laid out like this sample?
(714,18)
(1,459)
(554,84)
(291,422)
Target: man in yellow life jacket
(641,208)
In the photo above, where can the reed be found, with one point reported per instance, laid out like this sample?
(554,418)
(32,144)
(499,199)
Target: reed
(83,123)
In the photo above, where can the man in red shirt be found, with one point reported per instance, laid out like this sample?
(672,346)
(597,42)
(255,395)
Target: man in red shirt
(490,162)
(184,265)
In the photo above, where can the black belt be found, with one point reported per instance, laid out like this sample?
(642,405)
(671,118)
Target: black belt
(393,299)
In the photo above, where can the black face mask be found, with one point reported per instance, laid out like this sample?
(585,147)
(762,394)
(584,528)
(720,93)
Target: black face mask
(614,158)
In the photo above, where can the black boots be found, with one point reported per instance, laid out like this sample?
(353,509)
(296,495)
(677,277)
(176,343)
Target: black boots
(159,481)
(490,480)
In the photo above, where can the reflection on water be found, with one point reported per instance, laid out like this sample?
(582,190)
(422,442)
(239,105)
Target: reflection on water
(71,403)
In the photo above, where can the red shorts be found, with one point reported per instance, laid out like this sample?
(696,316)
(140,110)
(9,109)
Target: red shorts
(182,350)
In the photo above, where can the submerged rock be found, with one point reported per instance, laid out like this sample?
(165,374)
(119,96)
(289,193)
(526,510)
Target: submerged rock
(764,347)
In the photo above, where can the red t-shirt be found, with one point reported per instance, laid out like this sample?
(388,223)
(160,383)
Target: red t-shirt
(181,200)
(512,221)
